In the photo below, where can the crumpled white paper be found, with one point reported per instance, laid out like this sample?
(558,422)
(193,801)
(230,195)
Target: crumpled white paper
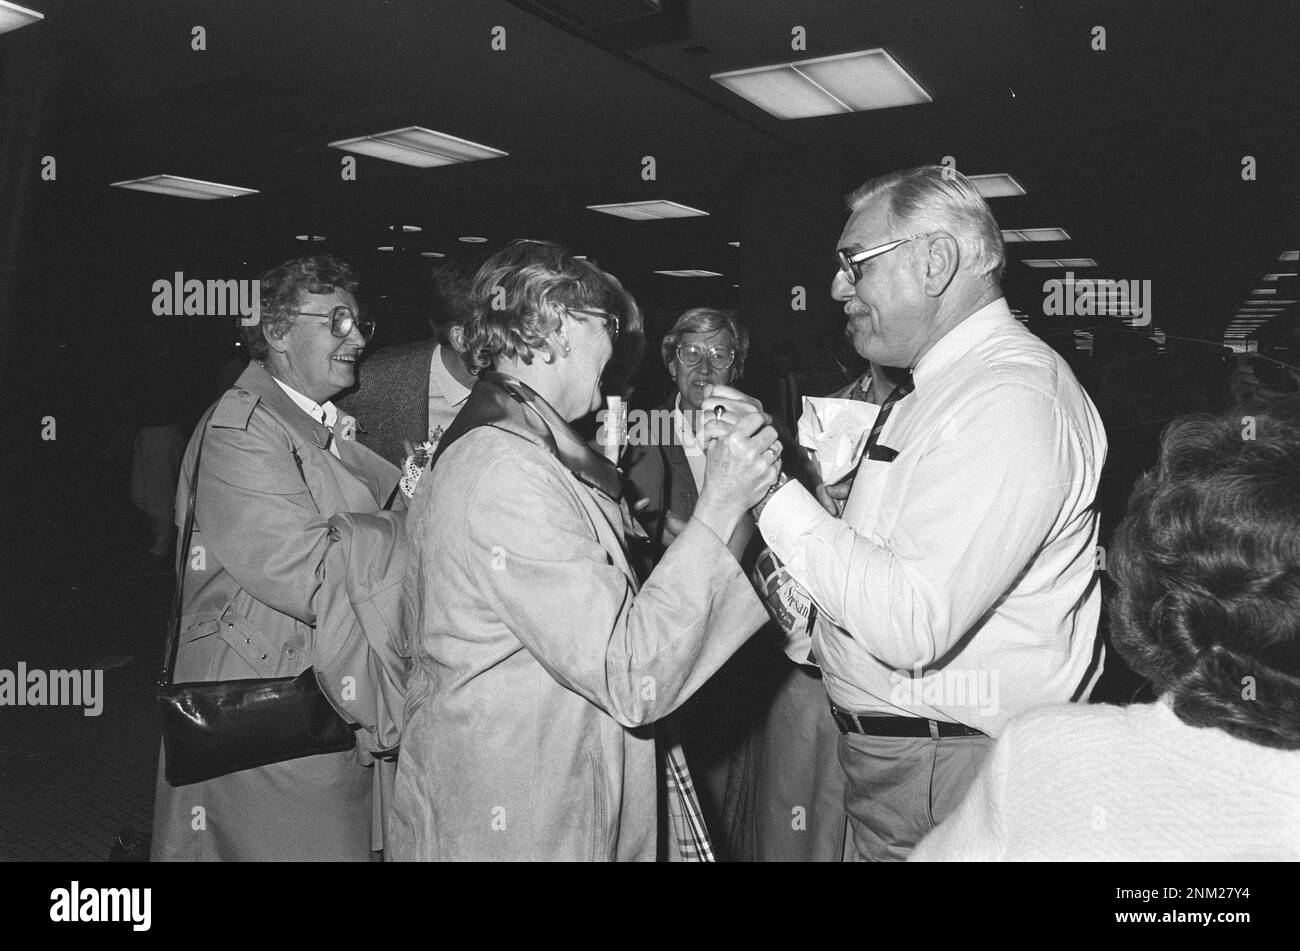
(835,432)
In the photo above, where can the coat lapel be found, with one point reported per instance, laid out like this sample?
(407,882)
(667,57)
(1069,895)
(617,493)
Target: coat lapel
(358,473)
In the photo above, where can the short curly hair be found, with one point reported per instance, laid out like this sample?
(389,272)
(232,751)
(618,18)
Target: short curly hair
(281,287)
(519,292)
(1207,564)
(703,320)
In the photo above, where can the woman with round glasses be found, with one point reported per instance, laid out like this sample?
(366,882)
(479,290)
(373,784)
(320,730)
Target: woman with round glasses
(540,662)
(279,468)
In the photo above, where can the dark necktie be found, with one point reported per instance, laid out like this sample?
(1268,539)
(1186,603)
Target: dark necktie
(872,450)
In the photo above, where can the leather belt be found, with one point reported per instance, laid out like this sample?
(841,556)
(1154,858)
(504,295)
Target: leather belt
(872,725)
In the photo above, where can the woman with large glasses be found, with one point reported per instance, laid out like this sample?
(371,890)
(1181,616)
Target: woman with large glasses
(540,662)
(287,525)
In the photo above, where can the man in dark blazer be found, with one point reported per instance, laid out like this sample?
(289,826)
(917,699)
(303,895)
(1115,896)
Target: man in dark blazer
(409,394)
(665,473)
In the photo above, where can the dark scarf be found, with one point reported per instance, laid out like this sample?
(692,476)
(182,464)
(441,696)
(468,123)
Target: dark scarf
(512,406)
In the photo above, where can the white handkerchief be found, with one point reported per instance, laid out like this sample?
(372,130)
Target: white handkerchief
(835,431)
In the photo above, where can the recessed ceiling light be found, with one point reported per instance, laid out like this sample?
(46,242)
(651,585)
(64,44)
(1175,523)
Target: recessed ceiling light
(408,229)
(415,145)
(12,16)
(432,254)
(997,185)
(1289,256)
(310,237)
(1013,236)
(184,187)
(648,210)
(472,239)
(827,85)
(384,247)
(1279,275)
(690,272)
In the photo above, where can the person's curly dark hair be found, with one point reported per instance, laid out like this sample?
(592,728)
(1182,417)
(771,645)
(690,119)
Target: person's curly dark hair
(519,293)
(280,287)
(1207,564)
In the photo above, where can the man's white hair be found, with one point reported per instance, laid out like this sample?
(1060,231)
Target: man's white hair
(936,198)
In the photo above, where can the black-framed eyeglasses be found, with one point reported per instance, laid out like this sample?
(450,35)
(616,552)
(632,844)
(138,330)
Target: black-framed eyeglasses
(851,261)
(611,320)
(689,354)
(342,320)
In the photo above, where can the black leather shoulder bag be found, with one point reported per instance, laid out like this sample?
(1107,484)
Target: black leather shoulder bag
(212,728)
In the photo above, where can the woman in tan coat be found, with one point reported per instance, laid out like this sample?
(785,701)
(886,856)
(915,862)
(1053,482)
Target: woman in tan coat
(278,462)
(540,667)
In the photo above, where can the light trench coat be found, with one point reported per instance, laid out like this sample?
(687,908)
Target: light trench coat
(539,666)
(263,561)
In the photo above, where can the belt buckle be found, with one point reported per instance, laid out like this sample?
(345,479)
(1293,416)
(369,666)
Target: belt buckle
(843,721)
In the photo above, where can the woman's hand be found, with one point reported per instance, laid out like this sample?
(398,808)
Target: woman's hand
(741,464)
(734,403)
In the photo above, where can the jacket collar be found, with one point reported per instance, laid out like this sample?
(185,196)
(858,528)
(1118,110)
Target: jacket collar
(505,403)
(257,379)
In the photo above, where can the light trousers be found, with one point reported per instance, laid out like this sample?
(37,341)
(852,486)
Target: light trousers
(900,788)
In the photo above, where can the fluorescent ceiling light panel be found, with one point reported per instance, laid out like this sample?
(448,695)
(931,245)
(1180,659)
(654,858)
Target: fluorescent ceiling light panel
(827,85)
(1289,256)
(472,239)
(415,145)
(1013,236)
(647,210)
(1279,275)
(689,272)
(310,237)
(384,247)
(432,254)
(1059,262)
(408,229)
(734,244)
(184,187)
(1078,262)
(12,16)
(998,185)
(1041,262)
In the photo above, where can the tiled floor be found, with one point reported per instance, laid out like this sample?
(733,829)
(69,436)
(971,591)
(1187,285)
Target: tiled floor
(69,783)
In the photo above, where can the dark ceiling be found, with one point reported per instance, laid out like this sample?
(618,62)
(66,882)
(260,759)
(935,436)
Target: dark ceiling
(1135,150)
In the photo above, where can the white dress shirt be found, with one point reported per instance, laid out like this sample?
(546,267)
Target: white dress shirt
(959,583)
(446,396)
(326,414)
(690,445)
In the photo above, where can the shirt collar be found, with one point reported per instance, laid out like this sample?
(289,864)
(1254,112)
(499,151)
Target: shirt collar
(441,381)
(960,340)
(326,414)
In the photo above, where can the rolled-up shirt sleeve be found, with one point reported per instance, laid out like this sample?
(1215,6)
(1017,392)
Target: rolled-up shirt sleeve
(979,503)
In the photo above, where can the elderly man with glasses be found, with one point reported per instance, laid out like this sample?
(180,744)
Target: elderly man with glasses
(956,587)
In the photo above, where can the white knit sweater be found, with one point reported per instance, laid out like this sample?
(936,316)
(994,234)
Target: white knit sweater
(1106,783)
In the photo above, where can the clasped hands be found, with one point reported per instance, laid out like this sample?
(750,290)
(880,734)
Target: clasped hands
(742,458)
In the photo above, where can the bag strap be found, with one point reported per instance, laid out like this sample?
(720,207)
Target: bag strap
(174,622)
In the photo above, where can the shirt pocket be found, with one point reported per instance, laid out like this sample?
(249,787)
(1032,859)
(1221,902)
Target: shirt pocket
(863,510)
